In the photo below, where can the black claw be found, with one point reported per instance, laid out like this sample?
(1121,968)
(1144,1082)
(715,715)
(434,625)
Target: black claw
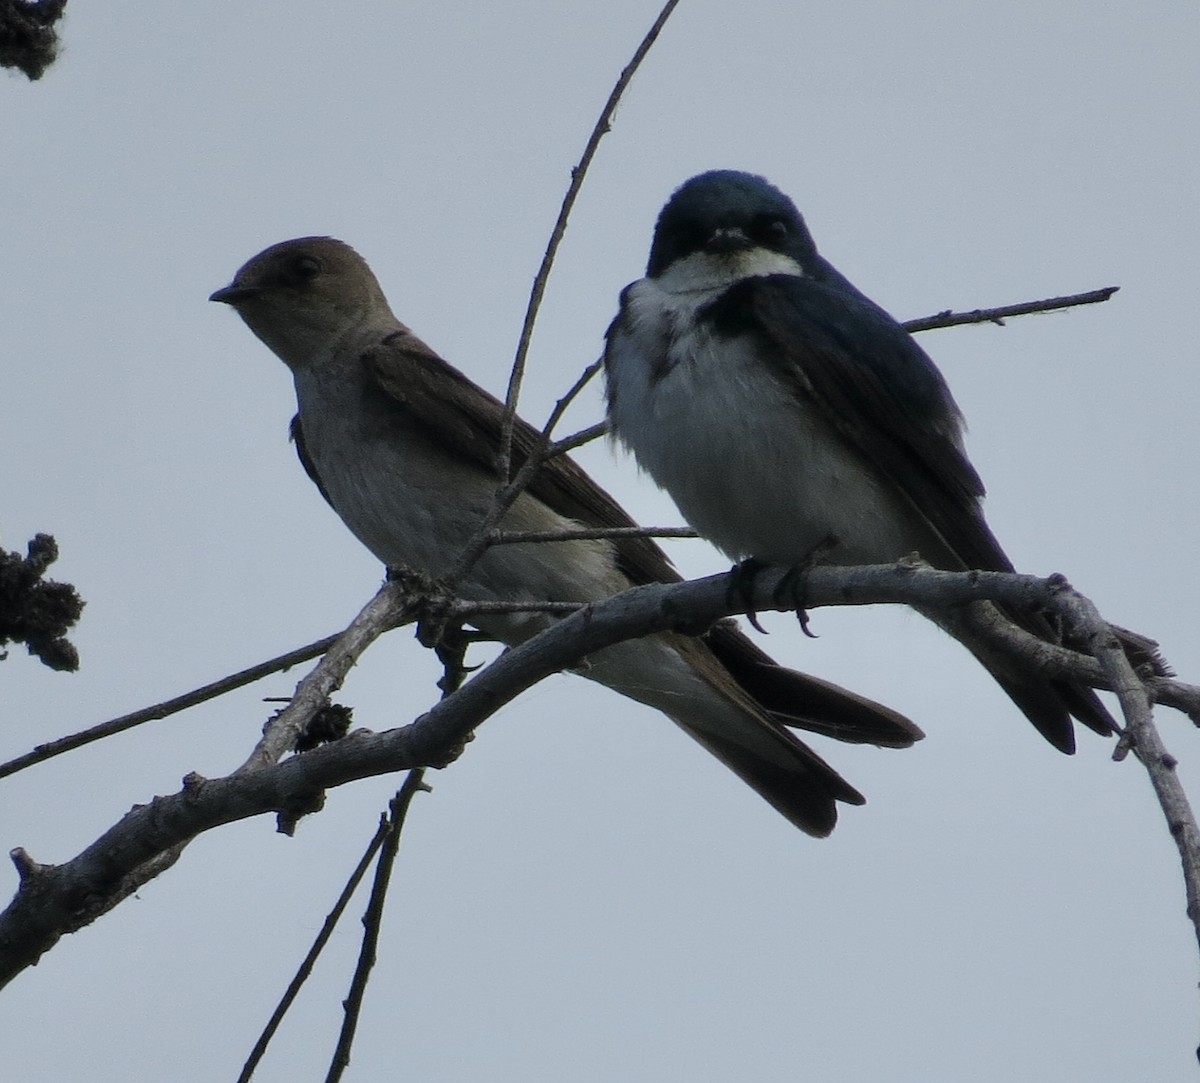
(792,588)
(741,589)
(451,651)
(790,593)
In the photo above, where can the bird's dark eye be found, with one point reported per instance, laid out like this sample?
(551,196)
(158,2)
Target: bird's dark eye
(775,232)
(306,267)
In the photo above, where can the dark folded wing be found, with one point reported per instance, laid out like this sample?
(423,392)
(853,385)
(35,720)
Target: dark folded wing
(841,352)
(296,432)
(436,397)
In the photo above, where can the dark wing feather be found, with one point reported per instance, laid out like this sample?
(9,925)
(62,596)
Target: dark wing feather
(881,391)
(838,349)
(296,433)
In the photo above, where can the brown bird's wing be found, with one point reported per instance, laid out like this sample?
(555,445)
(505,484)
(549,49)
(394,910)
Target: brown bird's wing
(453,409)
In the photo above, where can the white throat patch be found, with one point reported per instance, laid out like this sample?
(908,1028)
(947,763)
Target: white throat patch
(705,272)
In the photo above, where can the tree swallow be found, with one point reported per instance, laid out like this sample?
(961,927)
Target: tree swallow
(403,447)
(788,415)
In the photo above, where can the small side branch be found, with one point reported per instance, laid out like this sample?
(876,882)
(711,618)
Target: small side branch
(570,443)
(373,919)
(572,394)
(168,707)
(999,315)
(388,832)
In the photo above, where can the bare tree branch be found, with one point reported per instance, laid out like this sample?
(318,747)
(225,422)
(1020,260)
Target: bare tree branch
(504,498)
(1143,738)
(560,408)
(233,681)
(390,825)
(53,900)
(999,315)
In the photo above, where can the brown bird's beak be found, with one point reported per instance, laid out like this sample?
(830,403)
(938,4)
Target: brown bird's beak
(231,295)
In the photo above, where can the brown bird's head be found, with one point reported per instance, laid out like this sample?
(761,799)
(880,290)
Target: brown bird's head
(300,296)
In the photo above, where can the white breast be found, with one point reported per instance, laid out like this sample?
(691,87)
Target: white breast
(753,467)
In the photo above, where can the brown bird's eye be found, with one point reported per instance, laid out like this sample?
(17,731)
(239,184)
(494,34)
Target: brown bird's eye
(306,267)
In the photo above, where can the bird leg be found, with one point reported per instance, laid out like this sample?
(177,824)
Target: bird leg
(436,625)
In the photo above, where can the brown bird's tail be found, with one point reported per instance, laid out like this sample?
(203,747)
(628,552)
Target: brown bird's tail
(739,715)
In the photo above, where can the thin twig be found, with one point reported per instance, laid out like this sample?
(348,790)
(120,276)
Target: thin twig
(570,443)
(318,945)
(501,502)
(504,499)
(542,451)
(602,126)
(168,707)
(1172,798)
(372,920)
(516,537)
(560,407)
(998,315)
(1178,694)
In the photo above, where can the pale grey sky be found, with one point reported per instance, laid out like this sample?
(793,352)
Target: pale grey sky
(586,895)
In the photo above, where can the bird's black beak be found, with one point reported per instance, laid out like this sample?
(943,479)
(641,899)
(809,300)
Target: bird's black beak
(726,240)
(231,295)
